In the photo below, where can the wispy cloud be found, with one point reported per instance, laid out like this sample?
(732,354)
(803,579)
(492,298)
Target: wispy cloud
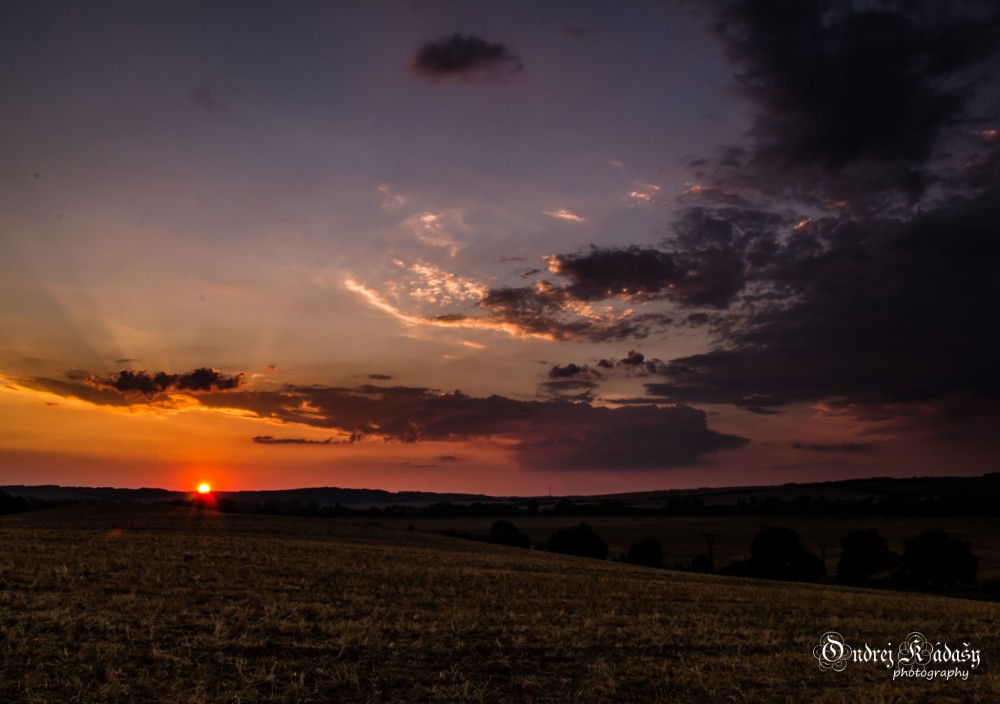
(435,229)
(391,200)
(563,214)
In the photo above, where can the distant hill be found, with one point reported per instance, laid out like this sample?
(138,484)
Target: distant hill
(910,489)
(323,496)
(958,495)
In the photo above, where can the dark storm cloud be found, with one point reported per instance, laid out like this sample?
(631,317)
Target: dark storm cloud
(884,308)
(554,434)
(874,300)
(696,276)
(201,380)
(466,57)
(838,84)
(632,272)
(878,301)
(635,364)
(571,370)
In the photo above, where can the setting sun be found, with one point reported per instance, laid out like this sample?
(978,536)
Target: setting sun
(204,488)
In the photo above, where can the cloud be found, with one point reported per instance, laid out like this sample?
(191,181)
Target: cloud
(434,229)
(554,313)
(837,447)
(202,380)
(542,434)
(843,251)
(629,272)
(538,434)
(882,307)
(466,58)
(568,389)
(692,276)
(634,364)
(391,200)
(271,440)
(868,90)
(563,214)
(430,283)
(380,377)
(572,370)
(847,244)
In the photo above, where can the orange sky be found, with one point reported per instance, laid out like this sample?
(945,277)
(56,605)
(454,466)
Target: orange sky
(495,247)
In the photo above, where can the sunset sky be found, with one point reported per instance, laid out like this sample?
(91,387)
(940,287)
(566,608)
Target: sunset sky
(498,247)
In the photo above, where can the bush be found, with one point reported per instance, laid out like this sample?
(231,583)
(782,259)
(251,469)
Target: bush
(13,504)
(647,552)
(580,540)
(863,553)
(506,533)
(935,558)
(777,553)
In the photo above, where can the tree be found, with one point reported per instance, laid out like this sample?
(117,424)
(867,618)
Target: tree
(646,551)
(506,533)
(777,553)
(13,504)
(937,559)
(862,554)
(581,540)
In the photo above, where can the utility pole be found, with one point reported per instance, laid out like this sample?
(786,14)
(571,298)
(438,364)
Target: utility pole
(710,539)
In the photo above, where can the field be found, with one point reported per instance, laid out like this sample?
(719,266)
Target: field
(132,604)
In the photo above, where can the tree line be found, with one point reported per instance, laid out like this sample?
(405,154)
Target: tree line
(933,559)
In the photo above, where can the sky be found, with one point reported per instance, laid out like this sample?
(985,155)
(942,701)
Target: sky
(510,248)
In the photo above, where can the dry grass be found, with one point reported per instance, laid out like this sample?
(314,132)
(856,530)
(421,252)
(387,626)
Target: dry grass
(178,605)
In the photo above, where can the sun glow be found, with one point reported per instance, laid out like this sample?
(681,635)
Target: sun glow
(204,488)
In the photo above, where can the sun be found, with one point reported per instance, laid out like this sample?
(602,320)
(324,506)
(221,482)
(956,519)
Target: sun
(204,488)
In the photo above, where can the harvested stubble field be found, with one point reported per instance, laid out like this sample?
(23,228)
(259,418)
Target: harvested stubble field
(132,604)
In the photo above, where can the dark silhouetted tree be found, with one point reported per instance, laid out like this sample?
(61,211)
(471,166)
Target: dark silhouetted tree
(581,540)
(646,551)
(506,533)
(937,559)
(13,504)
(777,553)
(863,553)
